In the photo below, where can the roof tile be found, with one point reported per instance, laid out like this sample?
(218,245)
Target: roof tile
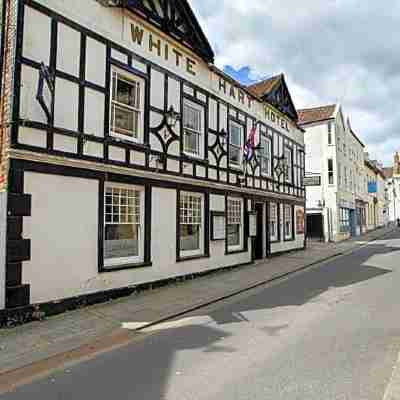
(316,114)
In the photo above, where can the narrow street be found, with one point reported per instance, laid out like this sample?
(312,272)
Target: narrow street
(332,332)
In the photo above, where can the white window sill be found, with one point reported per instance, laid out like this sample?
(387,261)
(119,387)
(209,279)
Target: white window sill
(196,156)
(119,136)
(235,166)
(116,262)
(191,253)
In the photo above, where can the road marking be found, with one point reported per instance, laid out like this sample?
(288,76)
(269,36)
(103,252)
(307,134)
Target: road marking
(393,389)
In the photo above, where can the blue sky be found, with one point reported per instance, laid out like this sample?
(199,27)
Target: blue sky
(243,74)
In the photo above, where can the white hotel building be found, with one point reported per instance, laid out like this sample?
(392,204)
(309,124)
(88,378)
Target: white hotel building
(125,161)
(336,184)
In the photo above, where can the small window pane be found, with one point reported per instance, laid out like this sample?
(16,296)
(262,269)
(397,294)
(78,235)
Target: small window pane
(234,155)
(236,134)
(122,224)
(190,222)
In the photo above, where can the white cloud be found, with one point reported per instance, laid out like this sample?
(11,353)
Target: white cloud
(332,50)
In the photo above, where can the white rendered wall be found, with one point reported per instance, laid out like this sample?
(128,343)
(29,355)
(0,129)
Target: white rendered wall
(64,231)
(283,246)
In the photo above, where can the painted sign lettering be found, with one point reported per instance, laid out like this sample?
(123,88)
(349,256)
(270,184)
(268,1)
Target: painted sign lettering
(162,48)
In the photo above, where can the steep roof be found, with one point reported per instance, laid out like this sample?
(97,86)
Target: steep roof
(264,87)
(175,18)
(275,91)
(316,114)
(388,172)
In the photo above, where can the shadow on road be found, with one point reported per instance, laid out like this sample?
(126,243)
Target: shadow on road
(144,370)
(298,290)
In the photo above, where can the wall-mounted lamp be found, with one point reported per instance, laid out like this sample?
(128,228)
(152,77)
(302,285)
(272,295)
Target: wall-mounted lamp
(223,137)
(172,117)
(321,203)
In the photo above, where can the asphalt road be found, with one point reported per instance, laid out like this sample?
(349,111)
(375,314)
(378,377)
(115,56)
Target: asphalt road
(332,332)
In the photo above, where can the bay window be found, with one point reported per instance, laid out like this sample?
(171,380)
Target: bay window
(191,224)
(127,106)
(123,224)
(235,144)
(193,128)
(235,223)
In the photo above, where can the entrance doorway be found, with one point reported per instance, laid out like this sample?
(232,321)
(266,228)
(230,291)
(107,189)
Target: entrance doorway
(315,227)
(258,241)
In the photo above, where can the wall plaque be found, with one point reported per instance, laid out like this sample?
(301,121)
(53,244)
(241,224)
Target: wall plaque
(218,225)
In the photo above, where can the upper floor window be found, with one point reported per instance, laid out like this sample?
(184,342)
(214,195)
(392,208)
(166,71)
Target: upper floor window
(123,224)
(330,171)
(265,155)
(127,106)
(289,164)
(235,144)
(193,128)
(191,223)
(329,132)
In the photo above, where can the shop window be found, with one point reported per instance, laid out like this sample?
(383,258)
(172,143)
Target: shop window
(235,144)
(123,225)
(191,224)
(344,220)
(127,106)
(193,129)
(235,224)
(288,222)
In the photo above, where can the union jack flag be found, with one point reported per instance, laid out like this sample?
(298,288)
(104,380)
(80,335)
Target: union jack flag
(250,144)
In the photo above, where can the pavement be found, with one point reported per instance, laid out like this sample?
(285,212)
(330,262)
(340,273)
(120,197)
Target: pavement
(34,348)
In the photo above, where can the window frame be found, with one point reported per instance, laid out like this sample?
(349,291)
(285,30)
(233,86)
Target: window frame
(118,262)
(331,174)
(269,156)
(344,220)
(186,254)
(241,246)
(128,76)
(242,129)
(291,236)
(289,176)
(197,107)
(276,237)
(330,133)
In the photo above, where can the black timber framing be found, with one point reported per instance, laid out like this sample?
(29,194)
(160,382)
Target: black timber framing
(262,182)
(18,249)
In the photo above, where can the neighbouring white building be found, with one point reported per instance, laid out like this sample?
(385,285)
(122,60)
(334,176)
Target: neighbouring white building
(336,185)
(392,175)
(126,162)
